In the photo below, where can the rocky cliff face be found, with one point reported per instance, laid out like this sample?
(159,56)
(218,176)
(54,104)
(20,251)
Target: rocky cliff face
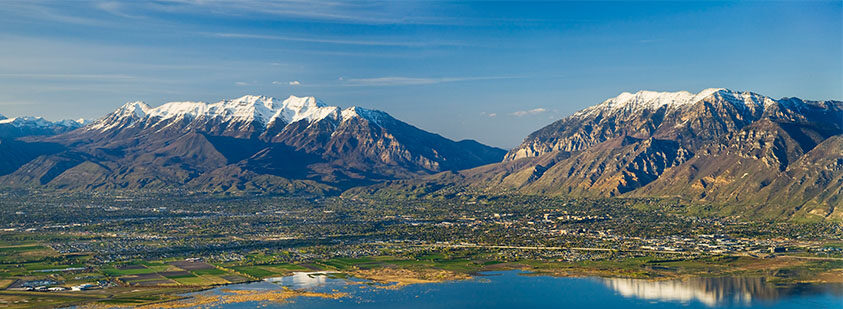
(751,152)
(716,146)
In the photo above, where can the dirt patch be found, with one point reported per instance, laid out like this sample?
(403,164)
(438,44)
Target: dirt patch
(235,278)
(242,296)
(142,279)
(155,283)
(831,276)
(771,263)
(179,273)
(401,277)
(187,265)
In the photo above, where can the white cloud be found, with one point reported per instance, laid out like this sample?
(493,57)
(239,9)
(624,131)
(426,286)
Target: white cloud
(492,115)
(354,12)
(291,83)
(65,76)
(529,112)
(241,83)
(115,8)
(389,81)
(404,43)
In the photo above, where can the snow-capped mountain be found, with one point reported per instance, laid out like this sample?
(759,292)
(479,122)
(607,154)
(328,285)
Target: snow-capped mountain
(240,117)
(682,116)
(26,126)
(652,100)
(251,142)
(258,110)
(750,153)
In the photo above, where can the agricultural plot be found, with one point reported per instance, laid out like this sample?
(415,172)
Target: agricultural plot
(172,273)
(272,270)
(190,265)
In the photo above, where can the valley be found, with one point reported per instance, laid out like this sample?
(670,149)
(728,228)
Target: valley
(136,249)
(149,203)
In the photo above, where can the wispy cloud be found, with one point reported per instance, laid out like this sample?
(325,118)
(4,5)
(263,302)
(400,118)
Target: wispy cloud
(36,10)
(407,81)
(65,76)
(404,43)
(241,83)
(291,83)
(534,111)
(351,12)
(116,9)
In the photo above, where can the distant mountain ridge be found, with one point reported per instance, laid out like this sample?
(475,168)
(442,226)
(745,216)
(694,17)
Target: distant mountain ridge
(27,126)
(777,158)
(252,143)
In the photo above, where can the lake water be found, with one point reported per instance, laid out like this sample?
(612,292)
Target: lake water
(515,289)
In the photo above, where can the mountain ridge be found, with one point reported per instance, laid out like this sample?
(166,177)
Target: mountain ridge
(28,125)
(738,150)
(242,143)
(748,153)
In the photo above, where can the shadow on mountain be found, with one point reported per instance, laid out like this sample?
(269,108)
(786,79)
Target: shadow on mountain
(15,153)
(236,149)
(281,160)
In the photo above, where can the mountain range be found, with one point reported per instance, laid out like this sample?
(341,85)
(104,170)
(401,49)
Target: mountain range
(252,143)
(780,157)
(27,126)
(742,151)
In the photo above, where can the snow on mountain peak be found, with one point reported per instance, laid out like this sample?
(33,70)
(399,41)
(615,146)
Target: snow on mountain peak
(81,122)
(652,100)
(304,108)
(28,121)
(245,109)
(648,99)
(137,108)
(294,101)
(372,115)
(745,99)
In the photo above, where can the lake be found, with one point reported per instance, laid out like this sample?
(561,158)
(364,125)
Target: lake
(516,289)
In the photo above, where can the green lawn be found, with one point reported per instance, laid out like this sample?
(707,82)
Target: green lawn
(16,249)
(114,272)
(254,271)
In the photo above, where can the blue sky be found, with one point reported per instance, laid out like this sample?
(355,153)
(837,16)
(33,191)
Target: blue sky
(490,71)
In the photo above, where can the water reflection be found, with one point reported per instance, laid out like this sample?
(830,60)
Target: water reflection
(303,280)
(713,291)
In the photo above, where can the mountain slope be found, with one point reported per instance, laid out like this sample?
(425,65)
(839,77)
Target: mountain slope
(249,143)
(747,152)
